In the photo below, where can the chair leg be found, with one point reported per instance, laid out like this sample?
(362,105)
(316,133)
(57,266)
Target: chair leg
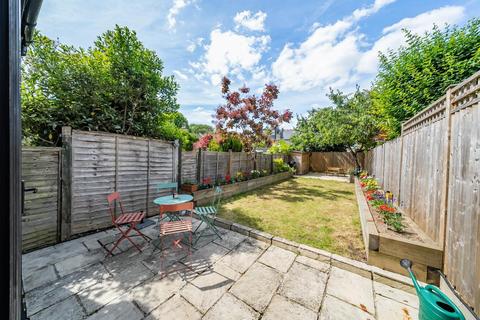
(132,226)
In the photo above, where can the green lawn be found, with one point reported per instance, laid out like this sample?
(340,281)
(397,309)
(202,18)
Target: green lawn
(315,212)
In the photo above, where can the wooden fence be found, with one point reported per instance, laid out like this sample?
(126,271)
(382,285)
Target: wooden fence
(434,171)
(98,164)
(41,170)
(321,161)
(73,181)
(213,165)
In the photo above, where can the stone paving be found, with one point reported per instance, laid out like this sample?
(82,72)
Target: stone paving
(236,277)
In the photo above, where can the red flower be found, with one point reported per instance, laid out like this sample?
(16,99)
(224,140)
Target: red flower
(387,208)
(370,198)
(228,178)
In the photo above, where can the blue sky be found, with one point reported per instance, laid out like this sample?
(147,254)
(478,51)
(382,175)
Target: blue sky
(305,47)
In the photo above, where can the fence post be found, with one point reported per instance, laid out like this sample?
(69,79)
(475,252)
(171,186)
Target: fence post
(199,165)
(67,162)
(216,165)
(230,167)
(179,163)
(148,176)
(446,169)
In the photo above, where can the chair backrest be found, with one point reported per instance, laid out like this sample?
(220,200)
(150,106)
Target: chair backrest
(217,197)
(111,198)
(167,186)
(187,206)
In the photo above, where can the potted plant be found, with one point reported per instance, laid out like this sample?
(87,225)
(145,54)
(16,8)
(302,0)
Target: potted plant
(189,186)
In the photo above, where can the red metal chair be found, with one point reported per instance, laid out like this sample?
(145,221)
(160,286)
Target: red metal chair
(168,228)
(131,219)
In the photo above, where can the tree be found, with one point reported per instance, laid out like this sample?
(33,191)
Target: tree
(349,125)
(200,129)
(251,116)
(115,86)
(418,73)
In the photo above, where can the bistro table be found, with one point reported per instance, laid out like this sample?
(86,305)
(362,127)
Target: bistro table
(170,199)
(179,198)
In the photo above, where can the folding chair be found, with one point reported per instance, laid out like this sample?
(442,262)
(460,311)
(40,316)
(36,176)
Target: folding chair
(207,215)
(168,228)
(124,219)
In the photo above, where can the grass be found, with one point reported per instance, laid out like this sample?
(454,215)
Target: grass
(319,213)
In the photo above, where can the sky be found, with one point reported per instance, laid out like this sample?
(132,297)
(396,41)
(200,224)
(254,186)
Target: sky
(304,47)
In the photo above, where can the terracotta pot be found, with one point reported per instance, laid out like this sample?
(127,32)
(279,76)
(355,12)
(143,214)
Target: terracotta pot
(189,187)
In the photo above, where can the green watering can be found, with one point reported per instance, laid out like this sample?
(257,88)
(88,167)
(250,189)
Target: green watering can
(434,304)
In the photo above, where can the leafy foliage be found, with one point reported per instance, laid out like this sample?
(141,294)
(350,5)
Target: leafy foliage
(115,86)
(219,142)
(280,147)
(200,129)
(252,116)
(347,125)
(420,72)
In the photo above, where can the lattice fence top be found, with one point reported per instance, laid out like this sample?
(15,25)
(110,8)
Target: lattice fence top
(466,94)
(434,112)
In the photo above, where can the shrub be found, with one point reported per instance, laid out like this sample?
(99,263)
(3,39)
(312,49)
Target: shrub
(280,166)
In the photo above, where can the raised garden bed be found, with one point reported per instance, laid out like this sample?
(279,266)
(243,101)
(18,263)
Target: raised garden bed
(205,196)
(386,247)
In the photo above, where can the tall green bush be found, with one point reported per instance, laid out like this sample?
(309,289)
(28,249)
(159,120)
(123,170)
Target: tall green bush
(418,73)
(117,86)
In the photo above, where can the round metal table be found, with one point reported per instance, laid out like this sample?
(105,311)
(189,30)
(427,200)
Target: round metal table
(180,198)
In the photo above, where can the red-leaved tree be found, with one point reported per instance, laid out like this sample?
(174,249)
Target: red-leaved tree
(251,116)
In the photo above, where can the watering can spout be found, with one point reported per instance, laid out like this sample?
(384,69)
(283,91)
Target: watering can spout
(434,304)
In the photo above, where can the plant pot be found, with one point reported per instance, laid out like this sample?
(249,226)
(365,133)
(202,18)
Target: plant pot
(189,187)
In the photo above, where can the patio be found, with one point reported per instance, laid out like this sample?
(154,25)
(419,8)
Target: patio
(236,277)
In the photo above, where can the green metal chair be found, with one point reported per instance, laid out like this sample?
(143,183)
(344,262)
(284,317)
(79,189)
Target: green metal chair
(167,186)
(172,186)
(207,215)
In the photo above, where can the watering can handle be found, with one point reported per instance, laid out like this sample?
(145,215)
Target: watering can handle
(439,292)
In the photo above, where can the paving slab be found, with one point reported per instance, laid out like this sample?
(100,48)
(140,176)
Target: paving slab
(312,263)
(69,308)
(336,309)
(283,309)
(395,294)
(278,258)
(388,309)
(205,290)
(39,278)
(205,257)
(231,308)
(242,257)
(226,271)
(257,286)
(230,239)
(175,308)
(151,294)
(352,288)
(46,296)
(118,310)
(72,264)
(305,286)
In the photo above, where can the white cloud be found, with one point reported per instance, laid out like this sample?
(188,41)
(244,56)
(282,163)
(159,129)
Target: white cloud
(178,5)
(334,55)
(180,74)
(199,115)
(393,36)
(230,53)
(253,22)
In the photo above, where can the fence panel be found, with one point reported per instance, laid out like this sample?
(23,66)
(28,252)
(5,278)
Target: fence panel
(41,170)
(321,161)
(462,263)
(93,178)
(103,163)
(189,166)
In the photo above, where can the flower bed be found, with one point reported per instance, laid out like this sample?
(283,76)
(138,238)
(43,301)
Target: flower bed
(382,203)
(206,195)
(384,245)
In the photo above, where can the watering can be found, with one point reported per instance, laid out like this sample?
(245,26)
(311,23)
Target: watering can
(434,304)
